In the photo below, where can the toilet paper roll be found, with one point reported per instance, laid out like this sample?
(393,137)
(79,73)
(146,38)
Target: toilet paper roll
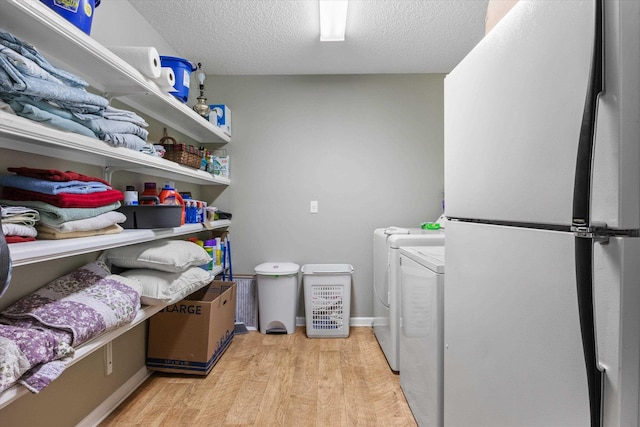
(144,59)
(167,80)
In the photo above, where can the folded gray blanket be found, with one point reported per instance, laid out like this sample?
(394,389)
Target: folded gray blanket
(53,215)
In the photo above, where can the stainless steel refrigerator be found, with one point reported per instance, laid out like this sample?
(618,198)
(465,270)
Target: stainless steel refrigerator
(542,178)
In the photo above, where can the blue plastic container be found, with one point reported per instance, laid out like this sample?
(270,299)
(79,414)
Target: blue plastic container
(182,70)
(78,12)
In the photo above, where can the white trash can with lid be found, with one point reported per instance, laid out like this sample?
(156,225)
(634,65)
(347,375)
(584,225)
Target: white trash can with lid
(277,297)
(327,299)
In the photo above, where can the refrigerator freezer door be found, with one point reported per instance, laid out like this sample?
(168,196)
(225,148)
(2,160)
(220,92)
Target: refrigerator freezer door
(616,174)
(513,352)
(513,110)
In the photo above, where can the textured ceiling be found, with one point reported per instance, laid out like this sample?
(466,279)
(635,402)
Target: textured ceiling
(258,37)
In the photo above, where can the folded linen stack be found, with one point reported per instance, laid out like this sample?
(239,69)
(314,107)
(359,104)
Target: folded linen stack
(35,89)
(69,204)
(42,329)
(18,223)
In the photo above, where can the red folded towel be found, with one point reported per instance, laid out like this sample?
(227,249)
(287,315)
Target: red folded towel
(19,239)
(55,175)
(65,200)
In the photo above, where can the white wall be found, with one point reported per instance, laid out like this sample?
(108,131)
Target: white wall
(368,148)
(117,23)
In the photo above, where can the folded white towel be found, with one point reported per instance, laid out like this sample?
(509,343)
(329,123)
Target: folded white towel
(8,211)
(94,223)
(45,232)
(19,215)
(19,230)
(21,219)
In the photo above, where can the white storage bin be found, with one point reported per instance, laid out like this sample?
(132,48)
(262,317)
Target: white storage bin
(327,297)
(277,297)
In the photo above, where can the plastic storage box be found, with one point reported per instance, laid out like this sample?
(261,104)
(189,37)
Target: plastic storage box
(327,299)
(151,216)
(277,297)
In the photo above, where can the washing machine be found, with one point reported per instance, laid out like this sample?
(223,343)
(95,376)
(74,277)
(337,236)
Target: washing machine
(422,332)
(386,274)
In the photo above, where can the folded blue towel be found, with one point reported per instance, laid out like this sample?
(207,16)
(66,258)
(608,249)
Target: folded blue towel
(15,82)
(27,66)
(112,113)
(128,140)
(52,187)
(30,52)
(34,113)
(105,127)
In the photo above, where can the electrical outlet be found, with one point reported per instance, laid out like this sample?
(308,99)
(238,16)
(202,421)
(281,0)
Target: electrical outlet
(313,206)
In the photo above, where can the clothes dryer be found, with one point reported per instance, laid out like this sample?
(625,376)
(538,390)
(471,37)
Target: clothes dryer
(422,332)
(386,290)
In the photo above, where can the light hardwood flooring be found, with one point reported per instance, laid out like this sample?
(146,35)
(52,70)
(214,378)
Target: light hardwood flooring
(277,380)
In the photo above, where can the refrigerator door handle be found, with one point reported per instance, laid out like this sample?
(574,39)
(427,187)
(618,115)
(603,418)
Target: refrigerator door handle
(582,225)
(582,179)
(584,283)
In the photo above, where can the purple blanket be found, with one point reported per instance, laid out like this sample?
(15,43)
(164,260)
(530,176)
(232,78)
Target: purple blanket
(44,326)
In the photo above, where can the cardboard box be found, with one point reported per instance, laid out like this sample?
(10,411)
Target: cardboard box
(221,115)
(189,337)
(221,165)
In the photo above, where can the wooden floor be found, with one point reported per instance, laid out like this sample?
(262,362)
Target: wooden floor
(277,380)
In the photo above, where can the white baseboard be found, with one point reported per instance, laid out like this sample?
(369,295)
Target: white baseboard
(105,408)
(361,321)
(354,321)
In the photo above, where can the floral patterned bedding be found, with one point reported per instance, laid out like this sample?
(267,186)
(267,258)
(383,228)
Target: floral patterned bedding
(40,330)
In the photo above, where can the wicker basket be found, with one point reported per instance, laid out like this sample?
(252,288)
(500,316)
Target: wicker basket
(183,154)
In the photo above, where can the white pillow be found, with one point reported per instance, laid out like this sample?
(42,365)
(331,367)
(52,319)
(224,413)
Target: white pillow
(161,288)
(173,256)
(131,282)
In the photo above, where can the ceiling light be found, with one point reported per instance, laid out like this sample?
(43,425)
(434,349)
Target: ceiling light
(333,20)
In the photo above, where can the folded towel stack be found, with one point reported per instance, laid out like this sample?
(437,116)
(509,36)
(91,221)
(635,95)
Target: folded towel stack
(18,223)
(67,204)
(35,89)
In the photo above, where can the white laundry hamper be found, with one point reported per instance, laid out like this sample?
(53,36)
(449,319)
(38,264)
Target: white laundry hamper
(327,298)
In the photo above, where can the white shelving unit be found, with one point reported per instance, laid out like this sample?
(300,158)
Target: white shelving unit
(20,134)
(45,250)
(69,48)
